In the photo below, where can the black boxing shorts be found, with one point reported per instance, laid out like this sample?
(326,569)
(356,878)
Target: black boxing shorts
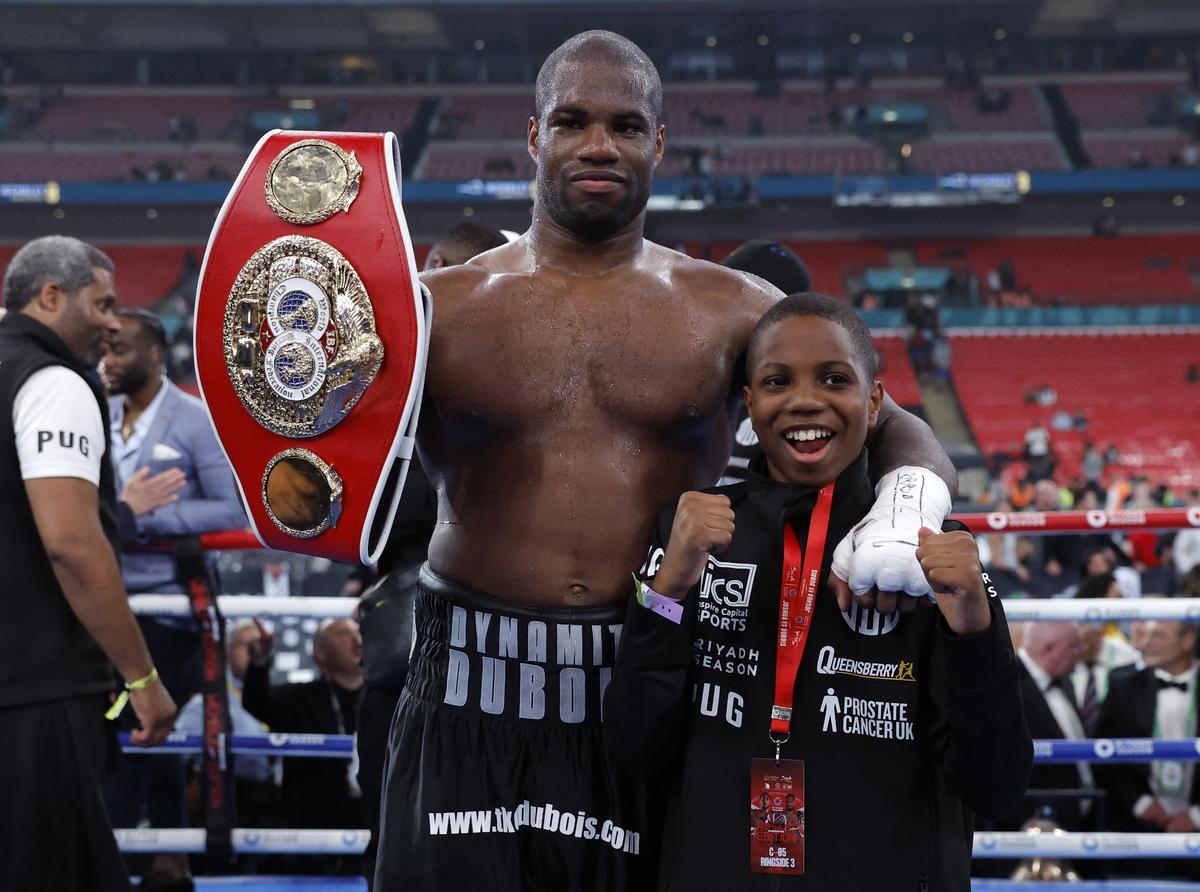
(497,776)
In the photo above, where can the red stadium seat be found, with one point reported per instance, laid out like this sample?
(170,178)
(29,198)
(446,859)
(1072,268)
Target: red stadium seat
(1120,101)
(1131,388)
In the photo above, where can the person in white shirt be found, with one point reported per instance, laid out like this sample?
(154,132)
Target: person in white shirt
(1037,442)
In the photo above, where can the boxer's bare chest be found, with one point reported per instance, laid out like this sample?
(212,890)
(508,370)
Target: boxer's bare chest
(623,352)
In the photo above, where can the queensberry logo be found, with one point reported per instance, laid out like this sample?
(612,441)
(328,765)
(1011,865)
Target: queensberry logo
(1104,749)
(829,663)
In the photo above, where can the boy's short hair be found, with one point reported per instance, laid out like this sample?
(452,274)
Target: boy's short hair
(810,303)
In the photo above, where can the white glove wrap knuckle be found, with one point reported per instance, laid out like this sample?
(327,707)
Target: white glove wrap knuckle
(881,551)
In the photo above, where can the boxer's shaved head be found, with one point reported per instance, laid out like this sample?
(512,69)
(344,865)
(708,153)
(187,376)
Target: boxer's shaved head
(603,47)
(597,135)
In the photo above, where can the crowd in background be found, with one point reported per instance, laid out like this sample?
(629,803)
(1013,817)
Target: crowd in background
(303,675)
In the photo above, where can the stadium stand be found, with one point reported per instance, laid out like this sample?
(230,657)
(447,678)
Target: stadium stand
(1068,269)
(946,154)
(828,156)
(739,109)
(804,129)
(123,115)
(1120,101)
(372,113)
(454,161)
(108,163)
(127,116)
(896,371)
(492,115)
(1074,269)
(1157,148)
(1091,374)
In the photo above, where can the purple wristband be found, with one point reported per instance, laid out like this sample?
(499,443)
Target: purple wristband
(665,607)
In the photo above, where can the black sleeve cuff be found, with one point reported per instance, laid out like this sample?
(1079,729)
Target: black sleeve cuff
(975,662)
(650,641)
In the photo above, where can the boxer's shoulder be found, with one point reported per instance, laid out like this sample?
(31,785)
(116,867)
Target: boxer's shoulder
(737,297)
(731,286)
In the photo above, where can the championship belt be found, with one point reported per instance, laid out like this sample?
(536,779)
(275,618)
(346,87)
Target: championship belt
(311,337)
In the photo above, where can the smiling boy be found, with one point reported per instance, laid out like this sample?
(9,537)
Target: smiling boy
(738,677)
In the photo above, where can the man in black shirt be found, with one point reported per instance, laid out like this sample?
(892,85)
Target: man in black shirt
(317,792)
(64,613)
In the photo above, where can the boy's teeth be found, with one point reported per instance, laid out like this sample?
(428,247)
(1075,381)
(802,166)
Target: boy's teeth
(806,435)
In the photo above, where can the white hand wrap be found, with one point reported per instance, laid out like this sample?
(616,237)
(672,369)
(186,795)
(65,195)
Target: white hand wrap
(881,551)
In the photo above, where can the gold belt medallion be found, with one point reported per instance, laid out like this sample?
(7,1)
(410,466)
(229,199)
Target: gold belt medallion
(311,180)
(300,339)
(302,493)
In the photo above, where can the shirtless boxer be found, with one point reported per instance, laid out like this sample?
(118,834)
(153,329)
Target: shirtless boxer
(578,378)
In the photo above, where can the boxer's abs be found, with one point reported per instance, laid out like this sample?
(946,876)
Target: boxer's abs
(562,415)
(557,520)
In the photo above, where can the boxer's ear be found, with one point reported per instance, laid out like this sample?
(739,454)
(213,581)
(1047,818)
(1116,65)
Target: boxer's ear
(533,138)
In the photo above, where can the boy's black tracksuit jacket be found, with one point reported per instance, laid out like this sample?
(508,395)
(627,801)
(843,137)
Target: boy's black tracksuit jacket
(906,730)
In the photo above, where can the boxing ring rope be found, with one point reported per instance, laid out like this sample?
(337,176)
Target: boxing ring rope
(246,840)
(1017,610)
(1047,844)
(1060,844)
(247,606)
(1041,523)
(1029,523)
(321,746)
(341,746)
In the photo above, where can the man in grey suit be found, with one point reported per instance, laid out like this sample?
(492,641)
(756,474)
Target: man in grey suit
(174,481)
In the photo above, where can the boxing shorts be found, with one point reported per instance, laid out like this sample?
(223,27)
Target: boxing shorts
(497,775)
(311,334)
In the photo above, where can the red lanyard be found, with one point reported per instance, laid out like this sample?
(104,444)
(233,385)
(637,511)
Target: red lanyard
(797,599)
